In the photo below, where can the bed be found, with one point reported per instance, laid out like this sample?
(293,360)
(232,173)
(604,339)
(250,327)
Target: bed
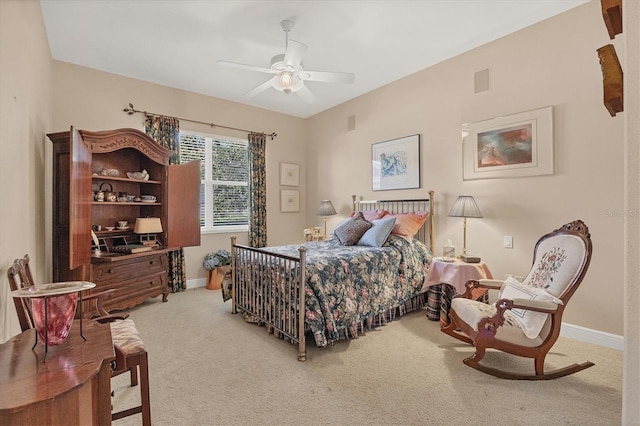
(346,289)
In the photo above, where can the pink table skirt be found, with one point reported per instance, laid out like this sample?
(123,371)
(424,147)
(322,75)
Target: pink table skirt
(455,273)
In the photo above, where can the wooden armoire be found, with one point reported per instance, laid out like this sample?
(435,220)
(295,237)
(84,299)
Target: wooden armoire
(84,162)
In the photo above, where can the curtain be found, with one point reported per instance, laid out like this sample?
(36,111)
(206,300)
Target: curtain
(257,190)
(166,132)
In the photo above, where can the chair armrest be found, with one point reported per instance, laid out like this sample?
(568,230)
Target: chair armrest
(103,315)
(544,306)
(491,324)
(490,284)
(481,283)
(111,318)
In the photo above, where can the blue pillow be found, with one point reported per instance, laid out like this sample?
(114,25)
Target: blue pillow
(378,233)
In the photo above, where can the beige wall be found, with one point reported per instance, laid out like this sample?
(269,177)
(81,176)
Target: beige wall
(94,100)
(552,63)
(25,116)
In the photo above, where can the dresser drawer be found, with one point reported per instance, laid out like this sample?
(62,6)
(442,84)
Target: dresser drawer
(130,293)
(133,280)
(128,269)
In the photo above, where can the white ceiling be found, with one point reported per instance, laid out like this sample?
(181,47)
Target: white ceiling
(176,43)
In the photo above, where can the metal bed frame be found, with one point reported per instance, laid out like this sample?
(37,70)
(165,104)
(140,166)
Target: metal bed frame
(275,295)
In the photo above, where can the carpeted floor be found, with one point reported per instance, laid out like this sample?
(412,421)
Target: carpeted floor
(209,367)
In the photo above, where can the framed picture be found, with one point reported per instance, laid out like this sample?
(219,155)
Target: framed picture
(395,164)
(289,200)
(289,174)
(510,146)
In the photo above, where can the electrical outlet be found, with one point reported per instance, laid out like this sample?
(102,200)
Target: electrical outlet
(508,241)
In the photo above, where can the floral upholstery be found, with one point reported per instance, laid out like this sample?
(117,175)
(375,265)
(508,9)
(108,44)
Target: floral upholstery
(559,261)
(346,285)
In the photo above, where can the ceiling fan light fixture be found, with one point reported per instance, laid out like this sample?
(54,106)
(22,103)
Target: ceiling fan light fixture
(286,82)
(287,71)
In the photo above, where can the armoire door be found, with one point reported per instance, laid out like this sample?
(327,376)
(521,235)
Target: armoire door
(183,205)
(79,201)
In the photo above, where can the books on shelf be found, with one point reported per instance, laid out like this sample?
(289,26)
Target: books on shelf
(130,248)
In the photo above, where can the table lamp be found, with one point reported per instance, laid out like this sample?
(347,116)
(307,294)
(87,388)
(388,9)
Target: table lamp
(146,227)
(326,209)
(465,206)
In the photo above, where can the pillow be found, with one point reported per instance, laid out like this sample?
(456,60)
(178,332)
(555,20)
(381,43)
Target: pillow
(408,224)
(531,322)
(371,214)
(350,231)
(378,233)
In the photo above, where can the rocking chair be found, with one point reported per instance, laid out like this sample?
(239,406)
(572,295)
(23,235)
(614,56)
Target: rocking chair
(129,348)
(526,319)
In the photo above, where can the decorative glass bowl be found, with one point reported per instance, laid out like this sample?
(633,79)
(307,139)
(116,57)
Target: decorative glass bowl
(61,311)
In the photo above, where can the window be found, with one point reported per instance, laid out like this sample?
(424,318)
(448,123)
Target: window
(224,174)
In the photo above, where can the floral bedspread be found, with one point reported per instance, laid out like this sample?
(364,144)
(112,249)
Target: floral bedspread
(348,284)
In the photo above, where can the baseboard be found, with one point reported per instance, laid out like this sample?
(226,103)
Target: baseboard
(596,337)
(571,331)
(198,282)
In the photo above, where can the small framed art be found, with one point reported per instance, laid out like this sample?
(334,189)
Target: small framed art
(289,174)
(510,146)
(395,164)
(289,200)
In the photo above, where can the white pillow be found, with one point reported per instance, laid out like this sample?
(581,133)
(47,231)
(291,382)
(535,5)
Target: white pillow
(531,322)
(378,233)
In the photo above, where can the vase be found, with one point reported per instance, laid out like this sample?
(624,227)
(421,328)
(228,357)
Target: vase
(215,277)
(61,311)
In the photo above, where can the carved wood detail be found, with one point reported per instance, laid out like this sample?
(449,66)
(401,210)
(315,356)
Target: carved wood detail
(612,79)
(102,142)
(612,15)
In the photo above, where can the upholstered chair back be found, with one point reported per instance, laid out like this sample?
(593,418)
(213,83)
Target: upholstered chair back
(559,260)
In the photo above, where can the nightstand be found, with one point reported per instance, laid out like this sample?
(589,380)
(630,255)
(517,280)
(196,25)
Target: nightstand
(446,279)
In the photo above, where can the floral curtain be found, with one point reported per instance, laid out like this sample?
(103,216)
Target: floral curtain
(257,190)
(166,132)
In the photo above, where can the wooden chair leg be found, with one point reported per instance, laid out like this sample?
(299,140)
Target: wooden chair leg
(133,372)
(135,362)
(144,389)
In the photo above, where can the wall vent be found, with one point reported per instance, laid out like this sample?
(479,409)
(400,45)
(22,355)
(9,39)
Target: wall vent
(481,81)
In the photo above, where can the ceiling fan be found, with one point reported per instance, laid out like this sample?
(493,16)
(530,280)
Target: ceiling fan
(288,72)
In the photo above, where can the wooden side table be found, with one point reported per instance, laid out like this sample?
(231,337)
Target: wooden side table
(455,275)
(73,386)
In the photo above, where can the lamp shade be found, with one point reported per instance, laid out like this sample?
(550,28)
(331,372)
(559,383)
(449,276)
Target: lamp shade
(465,206)
(326,208)
(147,225)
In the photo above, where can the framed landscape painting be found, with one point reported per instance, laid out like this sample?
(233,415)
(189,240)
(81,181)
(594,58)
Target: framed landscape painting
(510,146)
(395,164)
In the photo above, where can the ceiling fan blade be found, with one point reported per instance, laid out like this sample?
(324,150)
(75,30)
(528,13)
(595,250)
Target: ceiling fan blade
(306,94)
(247,67)
(328,76)
(294,54)
(259,89)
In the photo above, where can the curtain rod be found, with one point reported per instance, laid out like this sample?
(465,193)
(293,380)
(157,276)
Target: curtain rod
(131,110)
